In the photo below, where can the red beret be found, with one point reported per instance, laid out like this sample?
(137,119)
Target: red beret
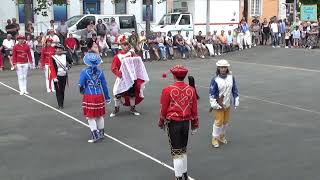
(49,40)
(20,37)
(179,71)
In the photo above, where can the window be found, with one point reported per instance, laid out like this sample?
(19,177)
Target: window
(21,12)
(91,6)
(59,11)
(185,20)
(127,22)
(121,7)
(255,7)
(85,22)
(144,6)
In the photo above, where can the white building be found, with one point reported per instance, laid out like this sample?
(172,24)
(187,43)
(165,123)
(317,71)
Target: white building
(78,7)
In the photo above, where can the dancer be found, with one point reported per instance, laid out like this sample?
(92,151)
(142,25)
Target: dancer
(46,57)
(178,107)
(222,88)
(62,63)
(131,78)
(95,92)
(22,60)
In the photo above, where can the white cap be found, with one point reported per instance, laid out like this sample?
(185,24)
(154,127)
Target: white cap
(223,63)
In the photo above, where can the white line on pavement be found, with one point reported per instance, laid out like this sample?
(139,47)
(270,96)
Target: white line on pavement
(111,137)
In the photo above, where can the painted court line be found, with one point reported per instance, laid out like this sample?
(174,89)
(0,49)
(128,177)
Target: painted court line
(84,124)
(273,102)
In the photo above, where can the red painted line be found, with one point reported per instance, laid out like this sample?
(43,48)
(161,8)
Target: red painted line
(199,24)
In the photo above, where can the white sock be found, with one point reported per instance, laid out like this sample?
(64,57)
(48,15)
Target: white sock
(92,124)
(224,129)
(185,163)
(178,166)
(100,122)
(116,102)
(216,131)
(20,82)
(132,101)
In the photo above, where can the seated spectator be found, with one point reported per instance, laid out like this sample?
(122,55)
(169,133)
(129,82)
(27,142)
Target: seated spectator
(223,42)
(200,45)
(133,40)
(189,43)
(153,45)
(160,46)
(7,48)
(71,46)
(54,37)
(181,45)
(114,43)
(83,46)
(103,46)
(209,43)
(216,43)
(91,29)
(230,40)
(143,45)
(169,45)
(101,29)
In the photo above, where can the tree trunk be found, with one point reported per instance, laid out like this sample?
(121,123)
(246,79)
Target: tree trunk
(148,17)
(27,12)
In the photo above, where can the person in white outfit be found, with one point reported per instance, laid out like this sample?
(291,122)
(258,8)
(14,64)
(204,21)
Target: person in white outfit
(22,60)
(223,91)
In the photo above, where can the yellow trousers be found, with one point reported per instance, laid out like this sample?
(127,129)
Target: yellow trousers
(221,120)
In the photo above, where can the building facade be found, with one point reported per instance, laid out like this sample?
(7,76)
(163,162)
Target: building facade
(78,7)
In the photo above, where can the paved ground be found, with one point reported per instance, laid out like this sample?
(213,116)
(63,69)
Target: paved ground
(274,133)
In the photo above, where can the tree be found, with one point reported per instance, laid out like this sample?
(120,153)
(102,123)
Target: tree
(148,2)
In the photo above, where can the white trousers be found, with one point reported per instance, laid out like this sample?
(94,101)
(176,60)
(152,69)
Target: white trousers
(22,72)
(32,55)
(46,73)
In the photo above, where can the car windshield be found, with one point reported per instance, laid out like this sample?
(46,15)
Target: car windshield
(169,19)
(71,21)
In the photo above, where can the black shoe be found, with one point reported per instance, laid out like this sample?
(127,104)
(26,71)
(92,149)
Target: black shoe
(134,111)
(185,176)
(101,133)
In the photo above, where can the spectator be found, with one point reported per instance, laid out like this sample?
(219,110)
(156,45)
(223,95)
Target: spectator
(11,28)
(143,45)
(209,43)
(274,34)
(83,46)
(200,44)
(223,42)
(169,45)
(230,40)
(181,45)
(8,45)
(133,40)
(160,46)
(216,43)
(37,53)
(114,27)
(54,37)
(71,45)
(30,43)
(103,46)
(14,22)
(287,37)
(95,38)
(91,29)
(153,45)
(30,30)
(114,44)
(313,36)
(101,29)
(282,31)
(255,30)
(303,35)
(62,31)
(296,37)
(189,43)
(265,31)
(52,26)
(244,35)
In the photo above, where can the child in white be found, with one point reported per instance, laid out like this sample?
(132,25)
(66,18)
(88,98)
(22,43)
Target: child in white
(296,37)
(103,46)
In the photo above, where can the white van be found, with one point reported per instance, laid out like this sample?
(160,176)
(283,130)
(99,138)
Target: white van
(77,24)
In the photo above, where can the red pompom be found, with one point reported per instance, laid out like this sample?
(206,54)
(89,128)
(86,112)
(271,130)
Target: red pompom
(164,75)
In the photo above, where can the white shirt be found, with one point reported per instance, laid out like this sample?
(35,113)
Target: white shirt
(62,64)
(103,44)
(274,27)
(8,44)
(55,39)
